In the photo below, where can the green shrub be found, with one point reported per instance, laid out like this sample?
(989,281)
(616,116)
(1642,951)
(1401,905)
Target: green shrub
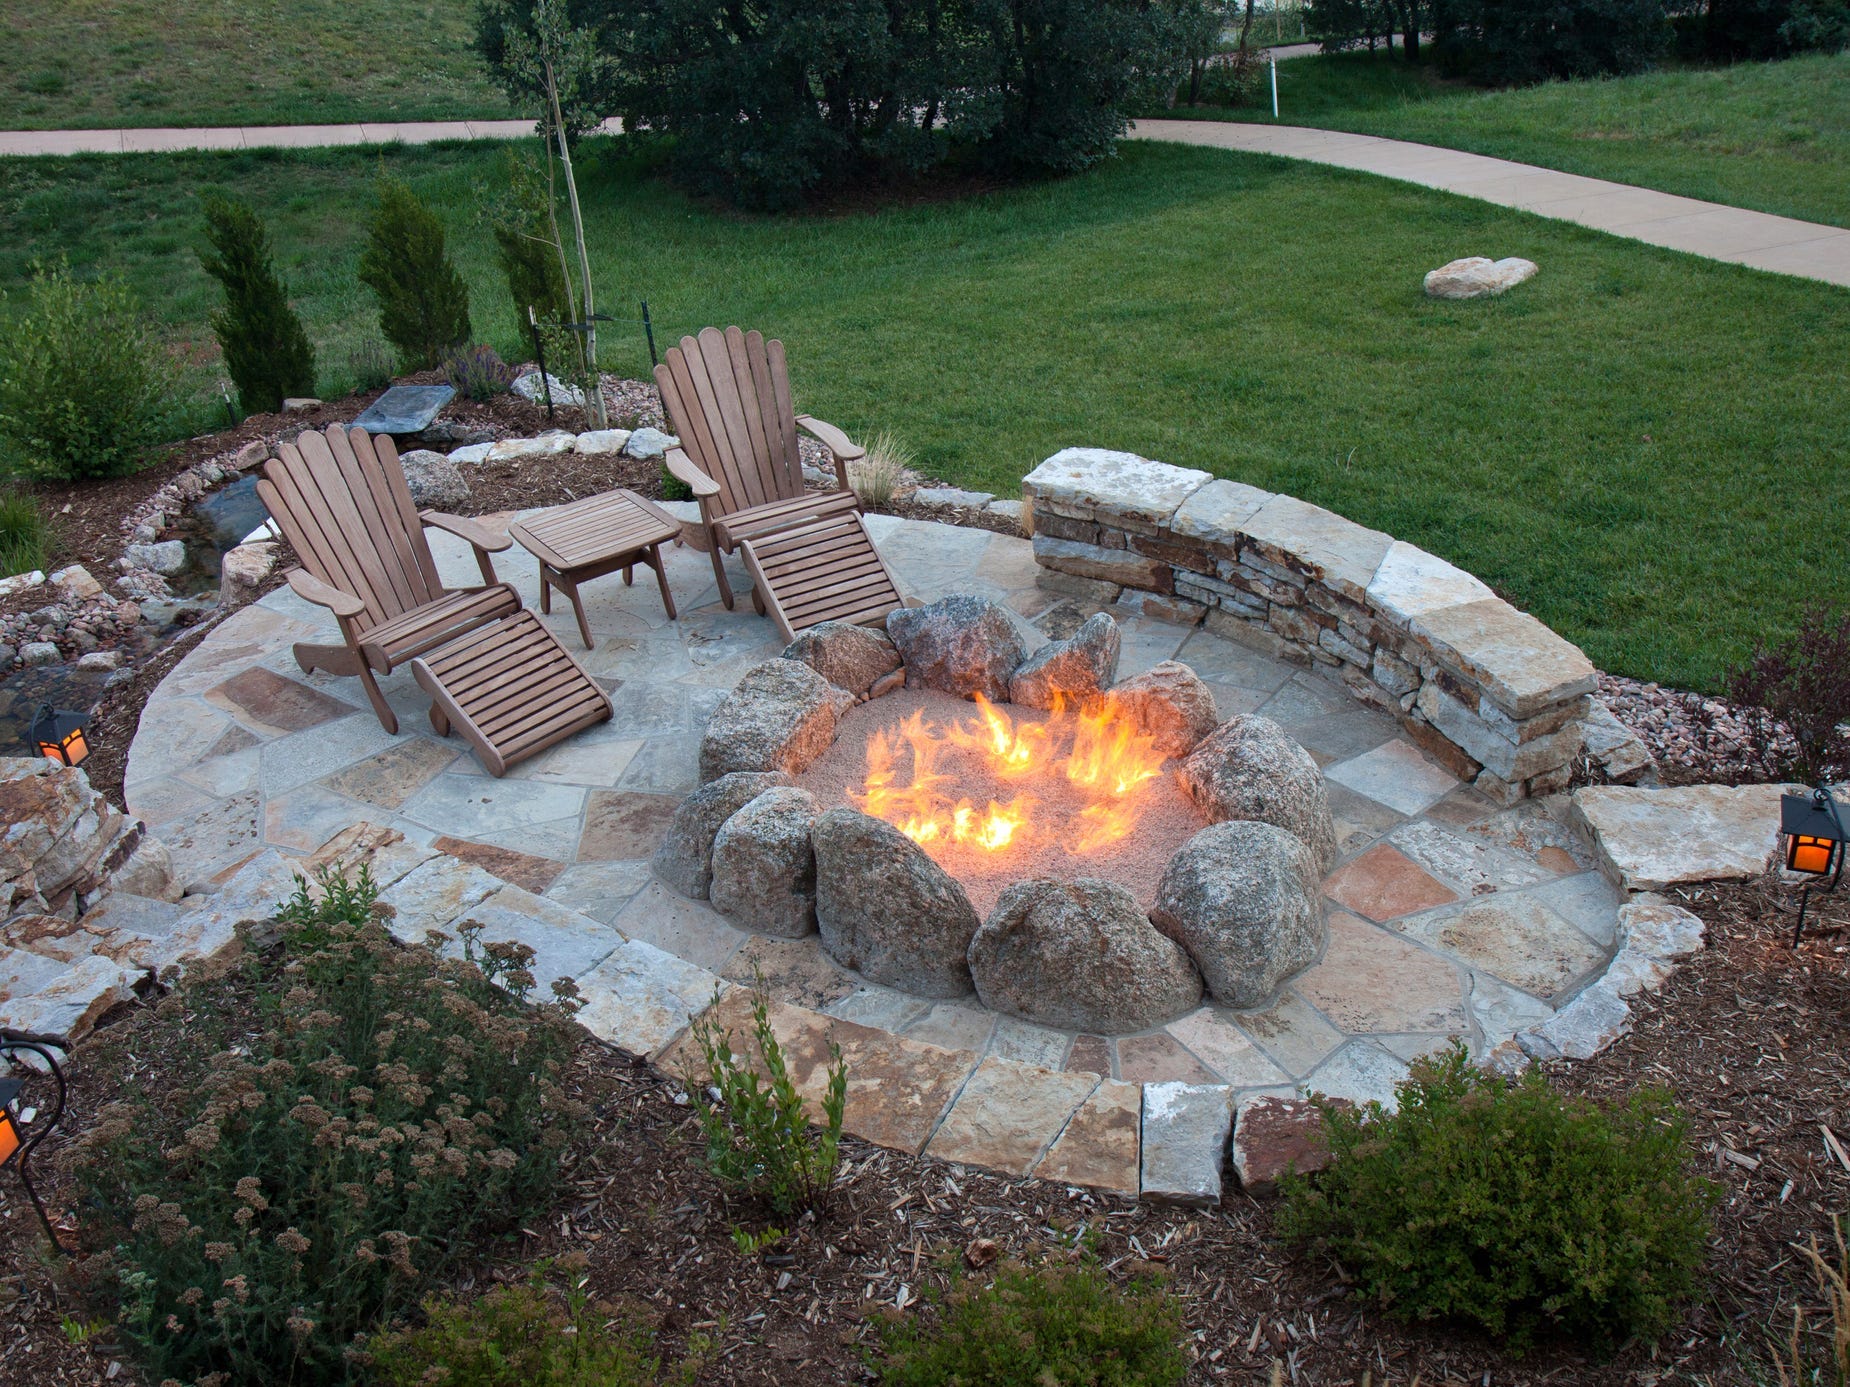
(673,488)
(1512,41)
(527,245)
(758,1139)
(1062,1325)
(84,386)
(338,1122)
(25,538)
(523,1336)
(266,351)
(1510,1206)
(423,302)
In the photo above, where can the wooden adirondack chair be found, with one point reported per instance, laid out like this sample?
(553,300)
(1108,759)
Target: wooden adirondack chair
(342,503)
(727,396)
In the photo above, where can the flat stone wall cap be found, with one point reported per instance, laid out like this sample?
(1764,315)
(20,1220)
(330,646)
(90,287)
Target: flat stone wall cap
(1185,1131)
(1215,514)
(1647,840)
(1343,554)
(1521,665)
(1410,582)
(1098,479)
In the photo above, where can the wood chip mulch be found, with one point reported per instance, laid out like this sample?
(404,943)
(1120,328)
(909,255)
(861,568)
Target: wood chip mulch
(1749,1035)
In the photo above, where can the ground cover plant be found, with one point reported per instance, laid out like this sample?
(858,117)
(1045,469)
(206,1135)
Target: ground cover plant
(1774,137)
(1644,449)
(112,63)
(349,1121)
(1510,1207)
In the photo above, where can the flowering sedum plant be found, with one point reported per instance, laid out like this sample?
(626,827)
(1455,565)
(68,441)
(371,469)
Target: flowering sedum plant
(337,1122)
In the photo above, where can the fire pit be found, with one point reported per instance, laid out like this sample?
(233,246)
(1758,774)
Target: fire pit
(949,814)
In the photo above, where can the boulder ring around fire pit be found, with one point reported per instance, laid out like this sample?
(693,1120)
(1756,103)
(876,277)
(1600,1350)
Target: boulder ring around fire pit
(1237,909)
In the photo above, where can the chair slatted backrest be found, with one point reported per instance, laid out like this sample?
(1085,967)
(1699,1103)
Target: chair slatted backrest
(341,500)
(727,395)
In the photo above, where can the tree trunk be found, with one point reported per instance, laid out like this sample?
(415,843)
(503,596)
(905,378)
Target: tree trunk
(1246,27)
(594,389)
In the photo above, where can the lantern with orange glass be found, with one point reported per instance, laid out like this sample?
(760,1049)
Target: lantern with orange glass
(60,735)
(1814,833)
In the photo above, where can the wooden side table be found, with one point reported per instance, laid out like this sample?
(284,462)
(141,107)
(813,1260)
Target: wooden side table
(590,538)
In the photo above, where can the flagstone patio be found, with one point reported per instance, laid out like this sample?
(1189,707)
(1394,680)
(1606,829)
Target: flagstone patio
(1448,916)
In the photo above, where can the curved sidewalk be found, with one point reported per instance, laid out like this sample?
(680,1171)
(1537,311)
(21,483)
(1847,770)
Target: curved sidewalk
(1784,245)
(172,139)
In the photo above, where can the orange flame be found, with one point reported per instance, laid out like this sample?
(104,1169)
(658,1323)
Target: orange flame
(1093,747)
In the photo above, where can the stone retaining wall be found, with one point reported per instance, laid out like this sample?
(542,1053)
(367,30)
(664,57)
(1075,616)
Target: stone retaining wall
(1487,690)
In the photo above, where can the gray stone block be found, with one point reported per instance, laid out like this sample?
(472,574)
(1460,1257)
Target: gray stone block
(1185,1134)
(1120,566)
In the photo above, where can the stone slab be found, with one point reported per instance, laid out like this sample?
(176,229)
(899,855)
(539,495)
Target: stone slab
(1185,1131)
(1343,554)
(1008,1115)
(1384,884)
(564,943)
(1582,1028)
(1214,515)
(1648,839)
(1373,981)
(1521,665)
(405,409)
(1223,1047)
(1394,774)
(435,894)
(1274,1135)
(1362,1073)
(689,929)
(1101,1147)
(1512,937)
(640,998)
(1119,567)
(1135,493)
(1410,582)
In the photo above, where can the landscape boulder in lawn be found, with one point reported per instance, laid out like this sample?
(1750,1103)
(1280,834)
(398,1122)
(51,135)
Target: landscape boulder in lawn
(780,717)
(434,480)
(1242,898)
(850,657)
(1169,704)
(684,859)
(1075,668)
(764,869)
(958,645)
(1250,768)
(887,910)
(1474,277)
(1080,956)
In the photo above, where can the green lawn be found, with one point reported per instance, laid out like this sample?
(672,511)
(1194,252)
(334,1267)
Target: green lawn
(1646,449)
(1771,136)
(97,64)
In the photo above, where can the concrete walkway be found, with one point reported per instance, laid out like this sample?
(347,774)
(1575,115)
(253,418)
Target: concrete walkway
(1784,245)
(167,140)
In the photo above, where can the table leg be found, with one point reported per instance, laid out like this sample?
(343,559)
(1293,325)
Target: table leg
(570,588)
(654,557)
(545,592)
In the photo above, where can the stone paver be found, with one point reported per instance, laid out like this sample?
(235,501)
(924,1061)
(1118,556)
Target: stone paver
(1782,244)
(1008,1115)
(242,754)
(1514,937)
(1185,1130)
(1650,839)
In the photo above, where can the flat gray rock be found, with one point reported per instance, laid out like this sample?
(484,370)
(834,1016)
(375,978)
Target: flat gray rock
(951,498)
(1131,492)
(1080,956)
(1185,1133)
(405,409)
(958,645)
(887,910)
(780,717)
(1242,898)
(1648,839)
(1250,768)
(1073,669)
(764,869)
(684,859)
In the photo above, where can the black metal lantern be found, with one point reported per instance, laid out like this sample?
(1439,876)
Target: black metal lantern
(61,735)
(1815,843)
(15,1146)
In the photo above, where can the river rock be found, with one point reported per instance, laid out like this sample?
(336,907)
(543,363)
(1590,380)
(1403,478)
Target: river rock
(38,653)
(780,717)
(166,558)
(1169,704)
(764,869)
(76,583)
(850,657)
(1242,898)
(887,910)
(684,859)
(958,645)
(602,441)
(532,387)
(243,570)
(1075,668)
(1080,956)
(435,482)
(648,444)
(1475,276)
(1250,768)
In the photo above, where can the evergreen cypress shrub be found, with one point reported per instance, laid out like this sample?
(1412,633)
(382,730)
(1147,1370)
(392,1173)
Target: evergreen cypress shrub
(1509,1206)
(85,387)
(529,255)
(423,302)
(267,354)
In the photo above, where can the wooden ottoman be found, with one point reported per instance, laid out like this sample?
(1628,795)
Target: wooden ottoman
(511,689)
(825,569)
(592,537)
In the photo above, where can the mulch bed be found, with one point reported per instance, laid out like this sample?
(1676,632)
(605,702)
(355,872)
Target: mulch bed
(1750,1035)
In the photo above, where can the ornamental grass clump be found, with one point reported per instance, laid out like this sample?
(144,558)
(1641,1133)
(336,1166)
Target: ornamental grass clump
(1510,1206)
(478,373)
(337,1122)
(1036,1326)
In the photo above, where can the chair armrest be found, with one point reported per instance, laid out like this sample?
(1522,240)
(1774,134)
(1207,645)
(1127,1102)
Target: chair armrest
(309,588)
(681,468)
(831,438)
(463,527)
